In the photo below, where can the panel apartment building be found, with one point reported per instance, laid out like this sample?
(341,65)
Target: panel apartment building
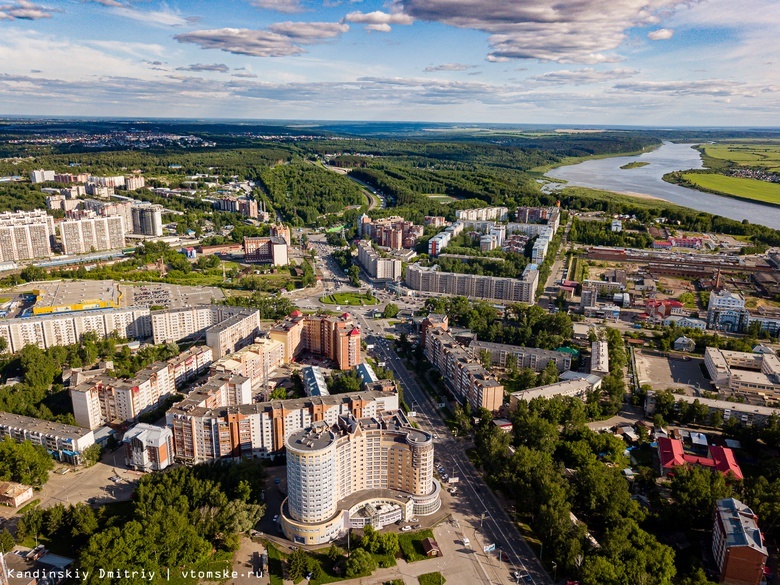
(337,338)
(358,472)
(64,442)
(377,266)
(469,381)
(148,447)
(527,357)
(215,421)
(513,290)
(25,235)
(738,544)
(256,361)
(92,234)
(48,330)
(226,329)
(147,220)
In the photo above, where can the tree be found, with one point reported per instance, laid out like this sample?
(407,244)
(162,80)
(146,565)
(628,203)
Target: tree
(354,275)
(695,490)
(485,358)
(91,454)
(549,375)
(388,543)
(391,310)
(7,541)
(278,393)
(24,462)
(360,563)
(297,564)
(334,553)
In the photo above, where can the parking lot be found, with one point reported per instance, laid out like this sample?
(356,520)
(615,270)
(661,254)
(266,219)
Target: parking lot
(170,296)
(663,372)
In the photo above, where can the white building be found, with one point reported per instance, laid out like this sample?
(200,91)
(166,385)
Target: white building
(41,176)
(148,448)
(147,220)
(134,182)
(483,214)
(80,236)
(517,290)
(375,265)
(65,442)
(25,235)
(599,358)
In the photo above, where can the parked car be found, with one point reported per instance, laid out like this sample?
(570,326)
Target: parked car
(406,528)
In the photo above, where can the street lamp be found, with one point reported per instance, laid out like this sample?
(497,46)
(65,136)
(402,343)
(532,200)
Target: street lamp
(485,513)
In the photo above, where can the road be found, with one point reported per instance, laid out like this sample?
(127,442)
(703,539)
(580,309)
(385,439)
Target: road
(496,527)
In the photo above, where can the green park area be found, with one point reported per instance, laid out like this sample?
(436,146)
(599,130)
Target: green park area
(635,164)
(752,189)
(764,154)
(354,299)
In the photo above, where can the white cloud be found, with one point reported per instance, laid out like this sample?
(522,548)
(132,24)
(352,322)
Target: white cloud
(448,67)
(661,34)
(696,87)
(289,6)
(165,17)
(213,67)
(564,31)
(107,2)
(378,20)
(585,76)
(25,10)
(279,40)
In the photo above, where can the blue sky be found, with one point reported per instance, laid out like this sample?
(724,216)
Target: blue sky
(637,62)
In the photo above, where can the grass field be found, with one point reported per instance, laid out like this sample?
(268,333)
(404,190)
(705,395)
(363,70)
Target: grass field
(737,186)
(411,545)
(442,198)
(765,154)
(353,299)
(635,164)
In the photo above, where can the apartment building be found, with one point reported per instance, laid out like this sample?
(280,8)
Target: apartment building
(747,414)
(211,423)
(225,329)
(41,176)
(440,241)
(432,321)
(134,182)
(742,372)
(513,290)
(578,388)
(64,329)
(190,364)
(599,358)
(248,208)
(314,381)
(147,219)
(25,235)
(435,220)
(378,267)
(61,202)
(337,338)
(93,234)
(116,181)
(148,448)
(271,250)
(357,472)
(738,544)
(526,357)
(65,442)
(466,377)
(123,209)
(483,214)
(390,232)
(103,400)
(256,361)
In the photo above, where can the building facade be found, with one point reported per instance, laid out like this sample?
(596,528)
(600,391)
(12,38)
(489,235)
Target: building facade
(337,338)
(527,357)
(357,472)
(515,290)
(256,361)
(738,544)
(746,373)
(93,234)
(64,442)
(377,266)
(271,250)
(26,235)
(49,330)
(147,220)
(211,423)
(148,448)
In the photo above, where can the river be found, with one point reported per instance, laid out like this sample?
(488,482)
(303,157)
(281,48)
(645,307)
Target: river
(606,174)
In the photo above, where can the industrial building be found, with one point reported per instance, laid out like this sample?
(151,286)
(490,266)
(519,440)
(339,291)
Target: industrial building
(358,471)
(76,295)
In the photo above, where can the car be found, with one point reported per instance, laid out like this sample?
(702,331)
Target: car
(414,520)
(276,519)
(406,528)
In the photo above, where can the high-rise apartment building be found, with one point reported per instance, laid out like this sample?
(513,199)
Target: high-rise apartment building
(41,176)
(525,357)
(123,209)
(48,330)
(515,290)
(25,235)
(377,266)
(94,234)
(147,220)
(360,471)
(256,361)
(214,421)
(483,214)
(337,338)
(134,182)
(281,231)
(225,329)
(738,544)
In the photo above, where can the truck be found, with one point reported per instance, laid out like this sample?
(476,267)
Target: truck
(453,480)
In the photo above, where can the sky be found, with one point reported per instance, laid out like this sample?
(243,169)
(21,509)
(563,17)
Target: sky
(599,62)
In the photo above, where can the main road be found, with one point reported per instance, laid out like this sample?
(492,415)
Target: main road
(495,526)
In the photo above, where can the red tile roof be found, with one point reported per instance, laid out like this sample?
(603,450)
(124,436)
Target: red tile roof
(671,455)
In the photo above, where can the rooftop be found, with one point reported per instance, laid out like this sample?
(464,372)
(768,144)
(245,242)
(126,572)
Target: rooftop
(62,294)
(43,427)
(740,525)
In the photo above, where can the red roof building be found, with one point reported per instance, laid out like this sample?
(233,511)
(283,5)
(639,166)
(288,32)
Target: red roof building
(671,454)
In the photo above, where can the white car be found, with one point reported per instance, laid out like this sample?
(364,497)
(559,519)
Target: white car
(405,528)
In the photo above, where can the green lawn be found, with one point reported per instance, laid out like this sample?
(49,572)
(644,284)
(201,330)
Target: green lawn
(354,299)
(751,154)
(434,578)
(411,545)
(737,186)
(275,564)
(635,164)
(442,198)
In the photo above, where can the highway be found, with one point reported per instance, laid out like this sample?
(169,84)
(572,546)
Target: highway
(496,526)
